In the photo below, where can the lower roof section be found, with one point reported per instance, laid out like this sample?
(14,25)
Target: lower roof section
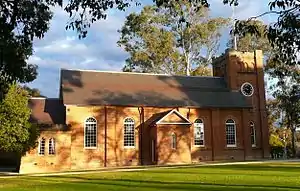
(47,111)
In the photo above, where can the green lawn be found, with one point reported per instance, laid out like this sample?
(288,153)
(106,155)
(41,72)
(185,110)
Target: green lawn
(271,176)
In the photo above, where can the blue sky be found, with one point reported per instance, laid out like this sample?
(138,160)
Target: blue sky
(99,51)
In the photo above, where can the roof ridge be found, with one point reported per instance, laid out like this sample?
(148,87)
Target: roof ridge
(138,73)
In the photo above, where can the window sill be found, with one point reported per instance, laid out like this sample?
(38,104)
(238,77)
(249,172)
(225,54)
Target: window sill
(129,147)
(90,148)
(231,146)
(199,146)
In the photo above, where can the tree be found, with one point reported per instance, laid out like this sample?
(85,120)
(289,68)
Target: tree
(279,136)
(22,20)
(32,92)
(285,112)
(171,40)
(17,134)
(289,97)
(249,42)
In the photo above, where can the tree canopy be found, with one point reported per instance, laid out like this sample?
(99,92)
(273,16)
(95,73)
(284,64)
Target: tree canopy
(32,92)
(23,20)
(17,134)
(181,40)
(250,42)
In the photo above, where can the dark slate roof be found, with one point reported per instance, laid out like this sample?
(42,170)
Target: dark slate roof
(47,111)
(79,87)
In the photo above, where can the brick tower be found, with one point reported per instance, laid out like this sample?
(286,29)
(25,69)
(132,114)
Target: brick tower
(243,72)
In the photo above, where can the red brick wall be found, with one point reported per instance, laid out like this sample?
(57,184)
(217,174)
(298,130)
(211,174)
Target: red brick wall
(32,162)
(248,67)
(116,154)
(165,153)
(75,156)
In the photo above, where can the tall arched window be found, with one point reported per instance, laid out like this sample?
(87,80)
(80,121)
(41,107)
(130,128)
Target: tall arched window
(230,133)
(253,134)
(42,144)
(173,141)
(129,140)
(90,133)
(198,133)
(51,146)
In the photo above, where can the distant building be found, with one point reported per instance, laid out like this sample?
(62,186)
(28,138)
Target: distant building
(105,119)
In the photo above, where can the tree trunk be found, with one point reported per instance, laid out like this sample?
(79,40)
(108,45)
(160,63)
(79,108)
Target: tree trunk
(1,65)
(293,142)
(188,66)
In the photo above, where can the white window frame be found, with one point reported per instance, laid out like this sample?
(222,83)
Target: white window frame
(234,125)
(128,123)
(84,136)
(51,144)
(173,141)
(39,148)
(201,123)
(161,121)
(252,129)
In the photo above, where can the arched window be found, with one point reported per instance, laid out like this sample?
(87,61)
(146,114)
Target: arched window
(129,140)
(90,133)
(173,141)
(230,133)
(51,146)
(198,133)
(253,134)
(42,144)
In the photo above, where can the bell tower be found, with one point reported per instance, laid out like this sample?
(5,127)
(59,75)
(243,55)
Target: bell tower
(243,72)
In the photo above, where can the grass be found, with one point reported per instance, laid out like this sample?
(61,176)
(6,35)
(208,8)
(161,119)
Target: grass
(268,176)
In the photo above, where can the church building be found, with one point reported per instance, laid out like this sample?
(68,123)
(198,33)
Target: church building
(110,119)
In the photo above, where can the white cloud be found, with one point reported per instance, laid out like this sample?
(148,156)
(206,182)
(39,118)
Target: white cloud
(69,45)
(87,63)
(47,63)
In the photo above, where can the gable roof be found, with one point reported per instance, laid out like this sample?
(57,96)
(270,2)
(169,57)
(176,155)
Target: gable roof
(79,87)
(50,111)
(163,121)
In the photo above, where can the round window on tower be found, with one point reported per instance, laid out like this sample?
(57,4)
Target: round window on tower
(247,89)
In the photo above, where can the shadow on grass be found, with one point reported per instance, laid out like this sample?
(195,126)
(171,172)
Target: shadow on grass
(212,173)
(256,168)
(179,185)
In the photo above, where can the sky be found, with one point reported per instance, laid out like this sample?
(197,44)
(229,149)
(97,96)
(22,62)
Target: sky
(99,50)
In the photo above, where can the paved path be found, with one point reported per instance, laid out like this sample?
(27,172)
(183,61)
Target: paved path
(140,168)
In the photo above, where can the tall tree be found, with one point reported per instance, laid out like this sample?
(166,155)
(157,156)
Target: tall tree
(175,40)
(32,92)
(23,20)
(250,42)
(279,136)
(16,133)
(289,102)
